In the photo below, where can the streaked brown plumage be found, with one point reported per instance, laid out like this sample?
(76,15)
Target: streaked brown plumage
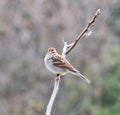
(59,65)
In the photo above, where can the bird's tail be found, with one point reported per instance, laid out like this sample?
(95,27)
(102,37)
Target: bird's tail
(82,77)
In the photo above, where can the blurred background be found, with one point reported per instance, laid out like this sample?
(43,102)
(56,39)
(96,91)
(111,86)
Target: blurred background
(29,27)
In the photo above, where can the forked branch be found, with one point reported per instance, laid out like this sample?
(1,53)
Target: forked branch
(66,49)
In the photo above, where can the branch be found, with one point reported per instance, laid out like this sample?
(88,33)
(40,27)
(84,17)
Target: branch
(66,49)
(53,96)
(85,32)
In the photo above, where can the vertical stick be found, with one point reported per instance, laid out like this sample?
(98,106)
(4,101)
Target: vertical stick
(53,96)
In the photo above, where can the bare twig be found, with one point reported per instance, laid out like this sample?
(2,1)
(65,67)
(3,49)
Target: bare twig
(86,29)
(53,96)
(66,49)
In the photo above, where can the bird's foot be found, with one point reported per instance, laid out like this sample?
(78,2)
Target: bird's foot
(58,77)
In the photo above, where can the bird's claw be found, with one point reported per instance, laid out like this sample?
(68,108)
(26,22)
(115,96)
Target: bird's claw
(58,77)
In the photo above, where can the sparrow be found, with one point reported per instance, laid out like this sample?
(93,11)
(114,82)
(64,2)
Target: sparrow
(59,65)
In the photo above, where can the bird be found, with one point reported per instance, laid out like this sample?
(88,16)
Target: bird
(59,65)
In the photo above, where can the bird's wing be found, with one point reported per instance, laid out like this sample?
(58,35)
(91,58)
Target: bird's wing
(59,61)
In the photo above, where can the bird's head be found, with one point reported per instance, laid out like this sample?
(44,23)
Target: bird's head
(52,50)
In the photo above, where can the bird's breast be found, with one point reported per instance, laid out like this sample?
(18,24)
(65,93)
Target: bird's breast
(53,68)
